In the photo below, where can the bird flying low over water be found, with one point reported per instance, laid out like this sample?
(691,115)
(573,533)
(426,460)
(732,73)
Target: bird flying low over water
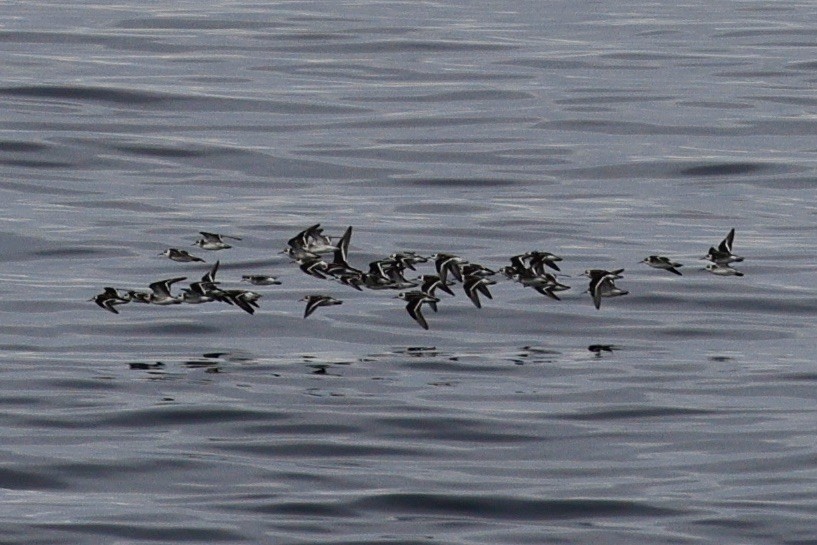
(213,241)
(474,285)
(109,298)
(246,300)
(312,240)
(448,263)
(160,292)
(661,262)
(722,255)
(315,301)
(182,256)
(414,301)
(602,284)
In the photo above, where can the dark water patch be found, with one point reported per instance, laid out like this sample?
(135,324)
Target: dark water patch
(18,400)
(714,334)
(176,532)
(162,151)
(658,300)
(306,509)
(315,429)
(293,171)
(809,66)
(119,472)
(23,247)
(34,189)
(789,183)
(472,139)
(397,45)
(265,184)
(168,101)
(70,252)
(784,126)
(419,155)
(753,74)
(613,99)
(452,429)
(507,508)
(429,121)
(81,93)
(307,448)
(798,377)
(548,64)
(757,32)
(171,329)
(197,415)
(247,105)
(113,41)
(636,413)
(800,306)
(633,128)
(14,479)
(129,206)
(421,77)
(715,105)
(19,146)
(455,96)
(681,169)
(650,56)
(314,36)
(35,307)
(461,182)
(345,71)
(725,169)
(168,22)
(740,526)
(326,17)
(215,80)
(759,463)
(440,208)
(37,163)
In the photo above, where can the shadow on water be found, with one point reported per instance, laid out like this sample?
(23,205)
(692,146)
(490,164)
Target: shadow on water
(427,358)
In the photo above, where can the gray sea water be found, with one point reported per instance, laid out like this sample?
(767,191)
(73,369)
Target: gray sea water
(600,131)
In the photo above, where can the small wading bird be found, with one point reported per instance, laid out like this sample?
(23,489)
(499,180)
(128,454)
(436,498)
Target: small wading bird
(661,262)
(160,292)
(260,279)
(414,300)
(722,255)
(213,241)
(182,256)
(315,301)
(602,284)
(109,298)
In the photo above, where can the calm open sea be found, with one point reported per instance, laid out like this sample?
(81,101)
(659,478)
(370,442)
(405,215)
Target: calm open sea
(603,132)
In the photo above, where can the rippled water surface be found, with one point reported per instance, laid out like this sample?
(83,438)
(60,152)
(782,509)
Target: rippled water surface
(602,132)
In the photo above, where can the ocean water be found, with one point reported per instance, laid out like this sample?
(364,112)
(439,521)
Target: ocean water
(601,131)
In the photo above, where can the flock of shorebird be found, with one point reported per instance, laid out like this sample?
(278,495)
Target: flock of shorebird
(533,269)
